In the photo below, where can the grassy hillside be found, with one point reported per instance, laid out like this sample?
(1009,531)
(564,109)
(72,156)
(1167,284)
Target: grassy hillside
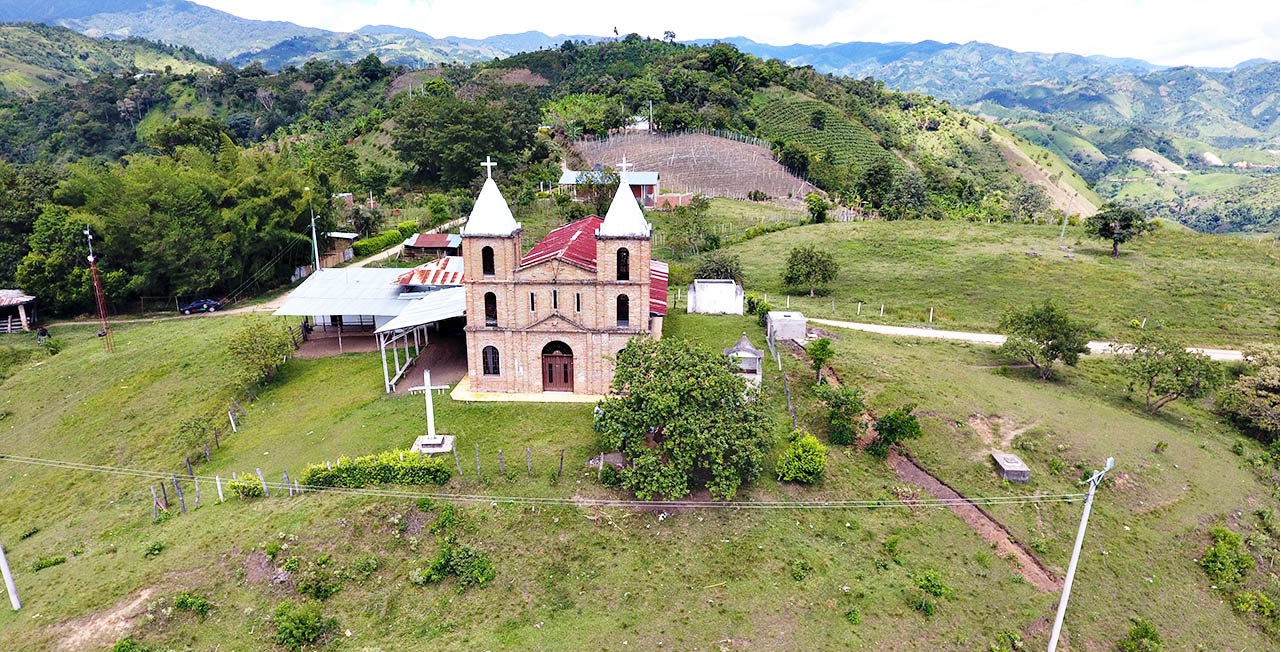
(1208,289)
(788,117)
(593,578)
(36,58)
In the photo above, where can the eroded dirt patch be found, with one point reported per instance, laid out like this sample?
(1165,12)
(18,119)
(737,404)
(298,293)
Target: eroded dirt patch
(101,630)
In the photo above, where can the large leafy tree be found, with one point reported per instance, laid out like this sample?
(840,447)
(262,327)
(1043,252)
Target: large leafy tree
(23,191)
(447,137)
(809,268)
(1043,335)
(718,264)
(1252,401)
(1167,371)
(683,418)
(1117,223)
(258,347)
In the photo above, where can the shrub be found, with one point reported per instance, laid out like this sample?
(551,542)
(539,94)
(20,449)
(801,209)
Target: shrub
(757,195)
(853,617)
(609,476)
(750,301)
(931,581)
(377,243)
(292,564)
(407,228)
(446,521)
(1007,641)
(1248,602)
(762,311)
(389,467)
(246,489)
(1161,446)
(52,346)
(193,602)
(844,412)
(804,460)
(300,626)
(1057,465)
(127,644)
(1142,637)
(470,564)
(721,265)
(365,565)
(45,561)
(799,569)
(318,583)
(925,605)
(153,550)
(892,428)
(1225,561)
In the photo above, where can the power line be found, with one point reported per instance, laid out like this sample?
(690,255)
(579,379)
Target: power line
(580,502)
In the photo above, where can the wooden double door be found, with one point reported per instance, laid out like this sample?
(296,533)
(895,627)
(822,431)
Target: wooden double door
(558,367)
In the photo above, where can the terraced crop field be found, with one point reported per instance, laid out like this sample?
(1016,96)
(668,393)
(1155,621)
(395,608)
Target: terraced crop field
(791,119)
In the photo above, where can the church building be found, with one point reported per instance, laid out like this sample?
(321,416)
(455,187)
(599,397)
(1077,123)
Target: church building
(546,320)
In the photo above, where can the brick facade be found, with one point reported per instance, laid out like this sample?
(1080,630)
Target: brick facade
(567,290)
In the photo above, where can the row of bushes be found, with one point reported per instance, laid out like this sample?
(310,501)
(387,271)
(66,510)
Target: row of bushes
(375,244)
(390,467)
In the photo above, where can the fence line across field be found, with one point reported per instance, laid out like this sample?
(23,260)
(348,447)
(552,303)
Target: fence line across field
(297,489)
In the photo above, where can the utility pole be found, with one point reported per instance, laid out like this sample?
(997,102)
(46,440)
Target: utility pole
(315,248)
(1063,231)
(104,325)
(1076,555)
(8,581)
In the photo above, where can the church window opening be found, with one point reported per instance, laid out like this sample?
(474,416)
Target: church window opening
(555,300)
(531,302)
(487,261)
(623,311)
(489,360)
(624,264)
(491,309)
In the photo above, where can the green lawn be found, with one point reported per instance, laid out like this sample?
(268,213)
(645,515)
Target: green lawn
(1209,290)
(571,578)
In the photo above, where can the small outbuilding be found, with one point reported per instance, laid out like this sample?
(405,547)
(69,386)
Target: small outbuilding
(1012,468)
(748,358)
(715,296)
(17,311)
(432,245)
(781,325)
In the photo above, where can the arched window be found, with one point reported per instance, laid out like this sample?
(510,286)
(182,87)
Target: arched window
(491,309)
(487,261)
(624,264)
(623,311)
(489,360)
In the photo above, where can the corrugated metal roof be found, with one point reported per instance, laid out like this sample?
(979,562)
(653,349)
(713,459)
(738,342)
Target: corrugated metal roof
(575,243)
(446,270)
(657,287)
(440,304)
(343,235)
(434,240)
(574,177)
(10,298)
(347,291)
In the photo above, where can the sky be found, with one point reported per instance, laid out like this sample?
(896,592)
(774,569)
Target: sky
(1170,32)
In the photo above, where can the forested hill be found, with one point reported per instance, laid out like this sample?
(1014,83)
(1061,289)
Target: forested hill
(35,58)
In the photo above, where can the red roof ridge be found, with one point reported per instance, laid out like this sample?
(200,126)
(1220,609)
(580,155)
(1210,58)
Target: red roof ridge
(564,242)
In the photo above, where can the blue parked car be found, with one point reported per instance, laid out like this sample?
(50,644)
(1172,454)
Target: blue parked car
(200,305)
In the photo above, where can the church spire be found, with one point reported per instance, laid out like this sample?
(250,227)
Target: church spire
(490,215)
(624,218)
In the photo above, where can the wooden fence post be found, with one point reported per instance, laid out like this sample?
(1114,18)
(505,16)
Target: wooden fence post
(458,464)
(562,464)
(181,502)
(478,460)
(197,481)
(188,461)
(206,452)
(155,504)
(285,482)
(502,470)
(218,481)
(529,464)
(232,418)
(164,494)
(264,483)
(217,444)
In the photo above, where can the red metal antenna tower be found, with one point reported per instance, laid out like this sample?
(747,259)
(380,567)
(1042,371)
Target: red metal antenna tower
(104,326)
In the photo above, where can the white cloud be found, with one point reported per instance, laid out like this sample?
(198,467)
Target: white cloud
(1175,32)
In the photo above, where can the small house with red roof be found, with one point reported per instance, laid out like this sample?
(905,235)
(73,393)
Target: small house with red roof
(550,320)
(431,245)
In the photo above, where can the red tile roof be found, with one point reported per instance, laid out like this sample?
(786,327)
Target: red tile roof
(446,270)
(574,243)
(657,287)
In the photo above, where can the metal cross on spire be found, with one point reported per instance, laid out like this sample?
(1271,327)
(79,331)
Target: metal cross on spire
(624,165)
(489,168)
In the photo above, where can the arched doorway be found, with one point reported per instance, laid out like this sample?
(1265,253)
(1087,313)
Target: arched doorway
(558,367)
